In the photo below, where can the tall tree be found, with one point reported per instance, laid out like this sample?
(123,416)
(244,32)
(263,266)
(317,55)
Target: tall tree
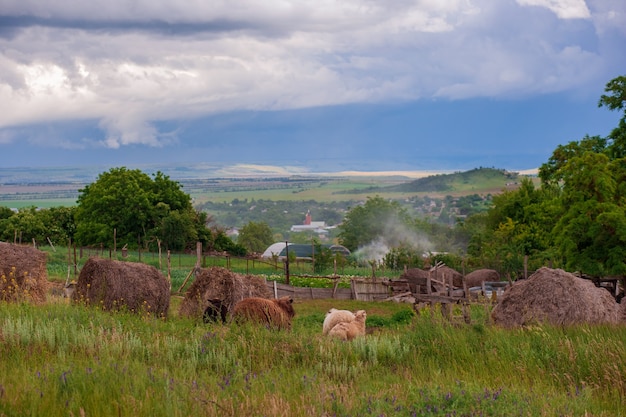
(255,236)
(137,207)
(376,219)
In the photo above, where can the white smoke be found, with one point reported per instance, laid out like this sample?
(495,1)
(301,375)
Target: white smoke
(395,234)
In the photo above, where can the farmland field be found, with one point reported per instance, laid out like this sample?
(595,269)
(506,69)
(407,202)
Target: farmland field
(59,186)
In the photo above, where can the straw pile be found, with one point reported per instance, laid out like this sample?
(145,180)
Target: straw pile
(23,273)
(444,272)
(417,277)
(476,278)
(116,285)
(556,297)
(622,310)
(218,283)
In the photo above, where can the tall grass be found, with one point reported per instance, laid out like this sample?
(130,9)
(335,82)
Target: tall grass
(60,359)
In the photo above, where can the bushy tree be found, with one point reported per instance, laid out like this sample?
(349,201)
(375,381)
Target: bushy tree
(27,225)
(578,217)
(377,218)
(255,236)
(136,209)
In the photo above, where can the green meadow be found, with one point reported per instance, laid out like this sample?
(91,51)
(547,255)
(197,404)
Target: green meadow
(59,359)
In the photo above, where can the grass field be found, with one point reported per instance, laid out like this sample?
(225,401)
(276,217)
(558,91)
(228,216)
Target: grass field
(69,360)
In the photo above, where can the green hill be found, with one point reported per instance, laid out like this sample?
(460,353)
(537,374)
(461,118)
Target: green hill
(476,179)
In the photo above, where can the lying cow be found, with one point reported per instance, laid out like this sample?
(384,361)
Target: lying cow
(274,314)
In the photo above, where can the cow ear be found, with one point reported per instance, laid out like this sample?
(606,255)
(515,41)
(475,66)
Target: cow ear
(290,300)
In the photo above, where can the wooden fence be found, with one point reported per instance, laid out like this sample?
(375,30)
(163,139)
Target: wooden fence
(361,290)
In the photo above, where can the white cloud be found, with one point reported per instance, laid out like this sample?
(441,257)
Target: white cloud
(132,64)
(564,9)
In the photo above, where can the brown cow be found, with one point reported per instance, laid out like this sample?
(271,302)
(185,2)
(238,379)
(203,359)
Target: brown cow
(274,314)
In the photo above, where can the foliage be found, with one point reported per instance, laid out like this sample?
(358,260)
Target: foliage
(30,223)
(255,237)
(323,257)
(578,216)
(377,218)
(222,243)
(133,209)
(400,257)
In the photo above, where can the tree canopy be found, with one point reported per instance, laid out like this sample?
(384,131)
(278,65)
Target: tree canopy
(578,217)
(128,207)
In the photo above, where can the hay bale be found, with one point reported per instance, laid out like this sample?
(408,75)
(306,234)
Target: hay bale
(444,272)
(116,285)
(219,283)
(556,297)
(476,278)
(622,310)
(23,273)
(418,277)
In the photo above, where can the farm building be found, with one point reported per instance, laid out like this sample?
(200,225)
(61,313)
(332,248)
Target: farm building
(301,250)
(310,225)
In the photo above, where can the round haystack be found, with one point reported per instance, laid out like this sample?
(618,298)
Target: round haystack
(444,272)
(476,278)
(219,283)
(117,285)
(23,273)
(418,277)
(622,310)
(556,297)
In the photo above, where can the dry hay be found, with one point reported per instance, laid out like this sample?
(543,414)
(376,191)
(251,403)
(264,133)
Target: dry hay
(476,278)
(23,273)
(556,297)
(417,276)
(117,285)
(222,284)
(622,310)
(444,272)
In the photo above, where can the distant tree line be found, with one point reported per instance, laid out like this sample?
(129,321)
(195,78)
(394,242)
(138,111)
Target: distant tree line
(121,208)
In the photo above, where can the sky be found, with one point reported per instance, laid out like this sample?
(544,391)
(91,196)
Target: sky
(323,84)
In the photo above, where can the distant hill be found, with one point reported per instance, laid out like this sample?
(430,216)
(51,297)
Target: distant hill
(475,180)
(478,178)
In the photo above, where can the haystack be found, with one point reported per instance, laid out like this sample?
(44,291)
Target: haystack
(417,276)
(476,278)
(220,283)
(116,285)
(444,272)
(556,297)
(622,310)
(23,273)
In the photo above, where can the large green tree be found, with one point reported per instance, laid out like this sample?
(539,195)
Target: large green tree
(129,206)
(376,219)
(255,236)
